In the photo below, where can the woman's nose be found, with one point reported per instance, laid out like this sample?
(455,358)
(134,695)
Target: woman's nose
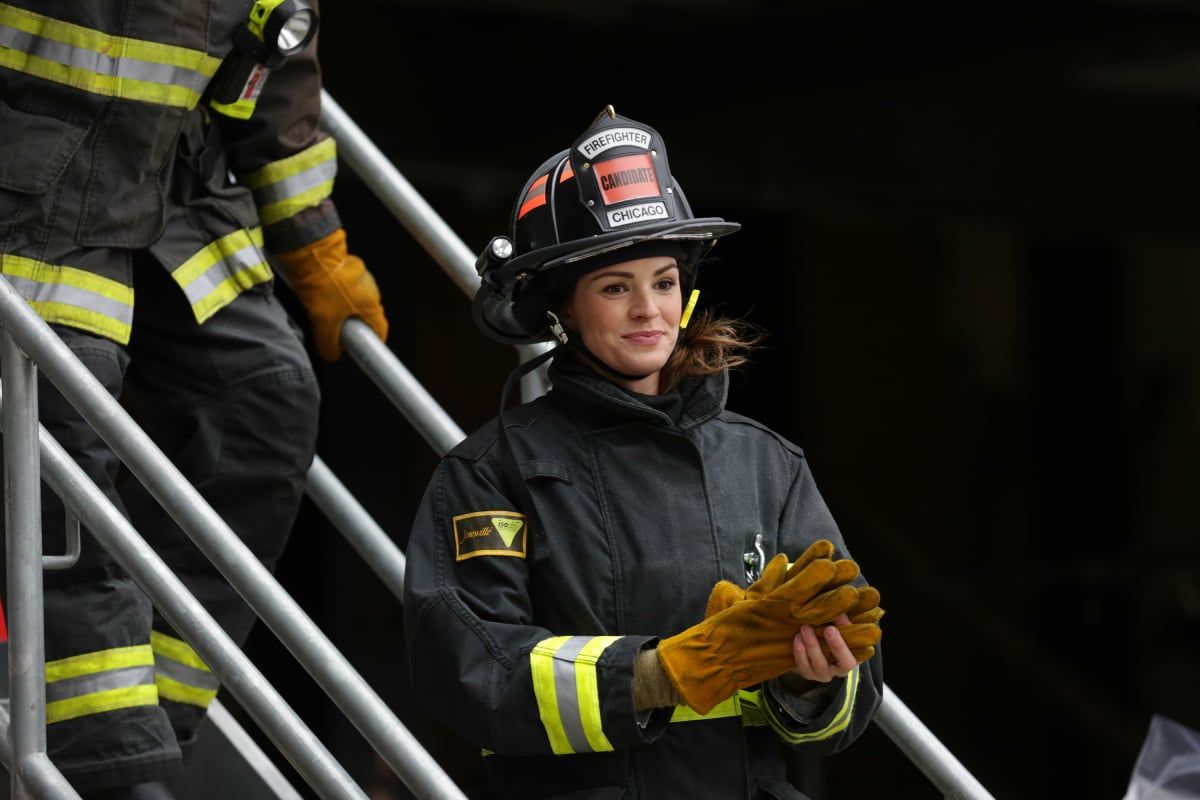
(644,305)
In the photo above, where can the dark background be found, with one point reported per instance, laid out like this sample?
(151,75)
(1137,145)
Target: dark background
(971,232)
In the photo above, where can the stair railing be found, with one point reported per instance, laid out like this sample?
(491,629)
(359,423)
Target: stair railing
(30,344)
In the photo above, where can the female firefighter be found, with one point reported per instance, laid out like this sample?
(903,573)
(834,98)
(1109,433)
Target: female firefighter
(574,598)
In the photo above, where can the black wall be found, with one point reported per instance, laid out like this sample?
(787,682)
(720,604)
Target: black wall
(973,239)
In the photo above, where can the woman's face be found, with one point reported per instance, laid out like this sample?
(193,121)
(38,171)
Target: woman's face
(628,315)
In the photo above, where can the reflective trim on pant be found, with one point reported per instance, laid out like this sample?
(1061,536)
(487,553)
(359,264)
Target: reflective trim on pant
(93,683)
(181,675)
(233,403)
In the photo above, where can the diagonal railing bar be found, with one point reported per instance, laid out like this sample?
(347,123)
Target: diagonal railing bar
(243,680)
(362,706)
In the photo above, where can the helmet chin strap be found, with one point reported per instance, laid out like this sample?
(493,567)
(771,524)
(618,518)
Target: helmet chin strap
(564,336)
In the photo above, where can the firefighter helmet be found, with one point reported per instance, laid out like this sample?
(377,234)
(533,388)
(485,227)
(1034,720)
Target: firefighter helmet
(610,197)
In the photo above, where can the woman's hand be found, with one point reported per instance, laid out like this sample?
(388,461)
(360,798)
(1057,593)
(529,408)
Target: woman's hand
(812,662)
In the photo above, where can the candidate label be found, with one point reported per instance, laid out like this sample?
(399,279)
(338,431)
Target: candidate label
(627,178)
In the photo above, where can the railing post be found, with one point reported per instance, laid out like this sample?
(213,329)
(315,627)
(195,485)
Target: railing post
(23,527)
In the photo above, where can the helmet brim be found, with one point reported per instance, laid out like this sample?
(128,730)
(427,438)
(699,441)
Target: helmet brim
(494,311)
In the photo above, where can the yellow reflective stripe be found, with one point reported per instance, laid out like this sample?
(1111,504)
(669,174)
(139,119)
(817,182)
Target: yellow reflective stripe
(565,685)
(175,691)
(90,321)
(230,288)
(541,663)
(276,171)
(838,723)
(176,649)
(286,187)
(96,62)
(274,212)
(182,676)
(138,655)
(99,702)
(731,707)
(89,667)
(588,686)
(222,270)
(72,296)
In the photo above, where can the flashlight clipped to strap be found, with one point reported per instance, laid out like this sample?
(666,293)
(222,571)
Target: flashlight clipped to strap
(275,31)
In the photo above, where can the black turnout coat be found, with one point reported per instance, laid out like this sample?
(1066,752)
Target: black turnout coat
(523,623)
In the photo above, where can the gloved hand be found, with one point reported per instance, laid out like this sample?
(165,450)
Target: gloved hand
(863,632)
(751,641)
(860,635)
(726,593)
(333,286)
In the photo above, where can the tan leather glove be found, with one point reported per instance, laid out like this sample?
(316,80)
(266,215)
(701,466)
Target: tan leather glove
(860,635)
(863,632)
(333,286)
(751,641)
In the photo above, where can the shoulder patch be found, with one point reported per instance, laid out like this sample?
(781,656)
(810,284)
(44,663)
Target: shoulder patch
(490,533)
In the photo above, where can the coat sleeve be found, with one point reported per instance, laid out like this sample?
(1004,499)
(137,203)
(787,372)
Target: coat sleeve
(830,720)
(479,661)
(281,154)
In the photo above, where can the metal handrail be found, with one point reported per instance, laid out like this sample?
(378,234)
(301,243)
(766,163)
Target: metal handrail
(81,496)
(398,748)
(895,718)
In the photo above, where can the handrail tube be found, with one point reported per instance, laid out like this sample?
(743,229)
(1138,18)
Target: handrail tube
(22,517)
(362,532)
(81,495)
(399,749)
(398,384)
(40,775)
(420,219)
(37,770)
(926,751)
(249,750)
(417,216)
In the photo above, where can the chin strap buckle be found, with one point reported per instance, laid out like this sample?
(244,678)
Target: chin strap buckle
(556,327)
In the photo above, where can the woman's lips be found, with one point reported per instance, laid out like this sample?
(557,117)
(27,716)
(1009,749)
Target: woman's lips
(645,337)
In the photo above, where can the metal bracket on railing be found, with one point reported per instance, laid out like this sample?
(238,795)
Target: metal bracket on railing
(74,547)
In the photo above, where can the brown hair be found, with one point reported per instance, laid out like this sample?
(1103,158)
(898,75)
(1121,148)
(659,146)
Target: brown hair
(709,344)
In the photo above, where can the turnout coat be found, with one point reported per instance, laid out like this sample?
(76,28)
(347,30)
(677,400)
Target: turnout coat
(523,623)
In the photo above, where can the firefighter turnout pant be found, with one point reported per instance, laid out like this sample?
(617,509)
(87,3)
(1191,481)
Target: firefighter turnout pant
(233,403)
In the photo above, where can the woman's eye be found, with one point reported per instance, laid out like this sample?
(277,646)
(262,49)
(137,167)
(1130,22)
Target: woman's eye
(666,284)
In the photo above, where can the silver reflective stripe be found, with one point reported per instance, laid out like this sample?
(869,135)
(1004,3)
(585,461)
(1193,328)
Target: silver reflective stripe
(121,678)
(297,184)
(190,676)
(99,63)
(567,692)
(66,294)
(211,279)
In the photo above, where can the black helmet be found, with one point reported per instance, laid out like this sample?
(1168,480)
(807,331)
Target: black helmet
(610,197)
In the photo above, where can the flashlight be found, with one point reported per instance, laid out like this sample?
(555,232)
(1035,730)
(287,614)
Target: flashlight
(275,31)
(498,251)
